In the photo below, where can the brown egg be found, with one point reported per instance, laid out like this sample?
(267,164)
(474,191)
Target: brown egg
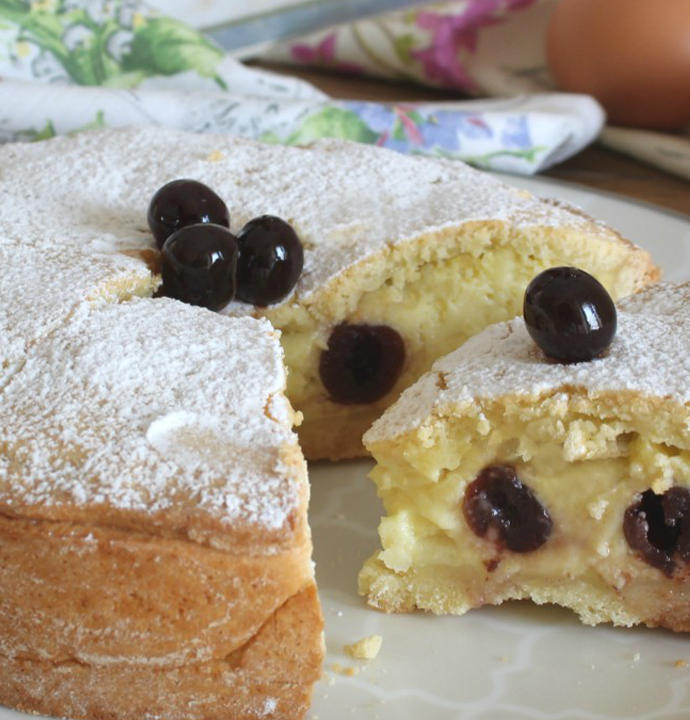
(631,55)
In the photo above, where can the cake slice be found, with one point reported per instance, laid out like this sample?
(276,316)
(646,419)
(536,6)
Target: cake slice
(155,557)
(506,475)
(404,257)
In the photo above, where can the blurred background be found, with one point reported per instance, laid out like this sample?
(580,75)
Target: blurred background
(518,86)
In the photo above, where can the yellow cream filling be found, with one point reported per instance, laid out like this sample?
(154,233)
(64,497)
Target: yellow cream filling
(435,303)
(585,470)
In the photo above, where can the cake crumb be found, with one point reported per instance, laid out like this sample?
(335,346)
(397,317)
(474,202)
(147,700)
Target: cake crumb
(347,671)
(215,156)
(636,657)
(680,663)
(597,508)
(603,549)
(365,649)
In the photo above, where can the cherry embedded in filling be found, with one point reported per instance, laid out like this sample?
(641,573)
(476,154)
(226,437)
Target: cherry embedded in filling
(497,505)
(658,527)
(362,362)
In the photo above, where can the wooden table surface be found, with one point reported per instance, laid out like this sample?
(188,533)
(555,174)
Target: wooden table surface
(595,167)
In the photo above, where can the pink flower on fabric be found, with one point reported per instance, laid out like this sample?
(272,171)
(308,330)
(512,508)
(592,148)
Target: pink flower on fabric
(323,54)
(452,33)
(409,127)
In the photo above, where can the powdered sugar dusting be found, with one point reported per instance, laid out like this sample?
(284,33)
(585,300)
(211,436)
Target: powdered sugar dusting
(41,287)
(150,405)
(346,200)
(664,298)
(269,706)
(648,356)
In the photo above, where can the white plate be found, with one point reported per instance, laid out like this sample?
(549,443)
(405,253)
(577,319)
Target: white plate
(515,662)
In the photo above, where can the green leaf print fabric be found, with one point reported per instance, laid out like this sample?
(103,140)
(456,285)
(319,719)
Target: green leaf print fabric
(72,65)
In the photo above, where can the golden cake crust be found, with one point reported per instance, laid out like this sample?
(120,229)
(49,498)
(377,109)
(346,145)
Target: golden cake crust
(270,676)
(153,526)
(122,597)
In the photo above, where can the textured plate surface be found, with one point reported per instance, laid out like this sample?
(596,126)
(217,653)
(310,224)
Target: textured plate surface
(515,662)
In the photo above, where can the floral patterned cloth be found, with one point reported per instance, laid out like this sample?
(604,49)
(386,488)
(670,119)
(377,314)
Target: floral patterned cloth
(518,135)
(487,47)
(67,65)
(122,44)
(481,47)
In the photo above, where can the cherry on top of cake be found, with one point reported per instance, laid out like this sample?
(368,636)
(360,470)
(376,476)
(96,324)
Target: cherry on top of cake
(203,263)
(648,358)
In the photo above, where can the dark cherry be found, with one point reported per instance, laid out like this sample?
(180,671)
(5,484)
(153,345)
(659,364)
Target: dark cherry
(569,314)
(362,362)
(198,265)
(658,527)
(271,260)
(181,203)
(499,505)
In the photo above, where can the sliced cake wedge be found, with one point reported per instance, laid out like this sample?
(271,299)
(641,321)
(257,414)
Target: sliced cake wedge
(508,475)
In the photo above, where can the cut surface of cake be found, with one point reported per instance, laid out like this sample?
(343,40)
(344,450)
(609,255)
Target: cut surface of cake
(404,257)
(506,475)
(155,557)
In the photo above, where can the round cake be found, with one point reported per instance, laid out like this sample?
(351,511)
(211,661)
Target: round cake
(155,556)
